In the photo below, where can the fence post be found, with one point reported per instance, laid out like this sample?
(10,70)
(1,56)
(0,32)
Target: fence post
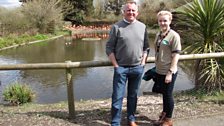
(70,95)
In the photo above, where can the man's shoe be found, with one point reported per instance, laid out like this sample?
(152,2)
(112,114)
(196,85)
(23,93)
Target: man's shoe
(132,124)
(167,122)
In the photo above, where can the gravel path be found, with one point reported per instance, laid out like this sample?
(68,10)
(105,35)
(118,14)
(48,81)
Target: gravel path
(188,112)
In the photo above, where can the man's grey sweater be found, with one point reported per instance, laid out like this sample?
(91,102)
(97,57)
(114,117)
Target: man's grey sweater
(128,42)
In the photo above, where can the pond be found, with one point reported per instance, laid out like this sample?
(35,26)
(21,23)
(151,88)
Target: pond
(89,83)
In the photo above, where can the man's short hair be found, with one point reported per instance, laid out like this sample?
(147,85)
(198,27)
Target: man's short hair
(131,1)
(128,2)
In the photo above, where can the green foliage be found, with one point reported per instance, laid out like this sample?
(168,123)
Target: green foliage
(148,12)
(18,94)
(80,9)
(217,96)
(202,94)
(199,93)
(44,13)
(205,18)
(40,37)
(149,9)
(36,16)
(99,10)
(14,39)
(8,24)
(89,7)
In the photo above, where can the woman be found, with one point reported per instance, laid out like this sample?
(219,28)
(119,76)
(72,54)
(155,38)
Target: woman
(167,49)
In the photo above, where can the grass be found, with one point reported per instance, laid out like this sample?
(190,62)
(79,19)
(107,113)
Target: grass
(18,94)
(14,39)
(201,94)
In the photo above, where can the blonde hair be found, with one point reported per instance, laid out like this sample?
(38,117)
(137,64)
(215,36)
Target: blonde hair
(164,12)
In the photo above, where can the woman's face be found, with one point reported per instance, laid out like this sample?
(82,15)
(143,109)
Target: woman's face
(164,22)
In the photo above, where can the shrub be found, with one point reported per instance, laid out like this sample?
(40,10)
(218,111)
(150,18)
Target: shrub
(205,18)
(44,13)
(149,8)
(18,94)
(9,25)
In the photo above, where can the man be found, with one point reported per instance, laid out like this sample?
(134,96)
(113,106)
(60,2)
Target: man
(127,49)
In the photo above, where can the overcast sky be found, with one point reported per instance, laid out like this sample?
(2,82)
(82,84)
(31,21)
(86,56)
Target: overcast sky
(10,3)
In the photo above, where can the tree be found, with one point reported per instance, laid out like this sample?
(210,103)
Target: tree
(116,6)
(76,12)
(205,18)
(99,9)
(43,13)
(81,9)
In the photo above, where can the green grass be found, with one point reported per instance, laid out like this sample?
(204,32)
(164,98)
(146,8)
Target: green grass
(14,39)
(201,94)
(18,94)
(40,37)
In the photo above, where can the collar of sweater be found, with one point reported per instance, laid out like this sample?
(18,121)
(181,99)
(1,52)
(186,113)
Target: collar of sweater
(128,21)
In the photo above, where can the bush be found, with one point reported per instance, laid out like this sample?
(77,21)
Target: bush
(13,21)
(35,16)
(18,94)
(149,9)
(44,13)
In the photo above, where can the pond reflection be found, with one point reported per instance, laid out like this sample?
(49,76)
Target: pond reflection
(89,83)
(93,35)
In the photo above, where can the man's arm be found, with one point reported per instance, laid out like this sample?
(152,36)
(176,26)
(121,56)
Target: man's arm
(110,46)
(145,48)
(144,57)
(113,60)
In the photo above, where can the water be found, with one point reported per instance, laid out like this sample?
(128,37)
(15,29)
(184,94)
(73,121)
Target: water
(89,83)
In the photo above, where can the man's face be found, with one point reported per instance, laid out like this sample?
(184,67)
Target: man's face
(130,12)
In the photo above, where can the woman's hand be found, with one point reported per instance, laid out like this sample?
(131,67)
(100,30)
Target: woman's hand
(168,78)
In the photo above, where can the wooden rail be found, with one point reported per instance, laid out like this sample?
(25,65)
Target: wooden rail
(68,66)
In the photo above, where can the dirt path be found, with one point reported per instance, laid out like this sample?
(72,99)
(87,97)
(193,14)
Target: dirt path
(208,120)
(188,112)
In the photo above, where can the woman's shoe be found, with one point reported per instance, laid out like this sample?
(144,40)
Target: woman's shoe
(161,118)
(167,122)
(132,124)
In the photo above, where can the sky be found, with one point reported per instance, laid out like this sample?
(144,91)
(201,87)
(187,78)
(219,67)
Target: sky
(10,3)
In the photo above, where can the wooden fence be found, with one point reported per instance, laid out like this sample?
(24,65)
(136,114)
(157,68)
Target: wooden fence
(68,66)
